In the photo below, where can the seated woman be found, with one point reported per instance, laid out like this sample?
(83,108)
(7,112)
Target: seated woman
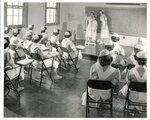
(102,70)
(109,45)
(7,31)
(44,52)
(44,35)
(131,62)
(55,38)
(15,41)
(142,43)
(139,74)
(67,43)
(117,48)
(28,42)
(9,63)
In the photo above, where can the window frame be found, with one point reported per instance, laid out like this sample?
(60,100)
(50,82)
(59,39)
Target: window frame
(24,16)
(58,9)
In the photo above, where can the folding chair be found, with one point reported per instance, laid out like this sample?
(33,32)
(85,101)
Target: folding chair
(9,83)
(37,57)
(137,87)
(60,58)
(17,56)
(70,59)
(99,85)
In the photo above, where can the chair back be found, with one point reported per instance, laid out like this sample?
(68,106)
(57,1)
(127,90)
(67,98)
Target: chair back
(99,84)
(54,45)
(138,86)
(36,56)
(26,52)
(64,49)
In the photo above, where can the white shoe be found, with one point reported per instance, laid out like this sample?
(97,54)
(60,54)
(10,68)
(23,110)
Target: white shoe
(57,77)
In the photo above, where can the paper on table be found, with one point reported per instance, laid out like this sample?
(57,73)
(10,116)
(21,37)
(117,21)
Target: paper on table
(80,47)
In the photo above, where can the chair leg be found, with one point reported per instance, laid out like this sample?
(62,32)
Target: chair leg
(15,88)
(30,74)
(41,75)
(111,109)
(29,71)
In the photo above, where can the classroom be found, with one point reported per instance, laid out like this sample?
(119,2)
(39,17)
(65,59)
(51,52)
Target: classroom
(75,60)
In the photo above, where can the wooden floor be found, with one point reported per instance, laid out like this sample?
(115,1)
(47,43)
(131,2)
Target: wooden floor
(63,100)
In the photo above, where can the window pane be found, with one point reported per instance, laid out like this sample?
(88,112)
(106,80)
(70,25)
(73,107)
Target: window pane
(52,12)
(20,11)
(20,20)
(48,11)
(9,11)
(47,19)
(15,3)
(20,4)
(9,20)
(54,4)
(16,20)
(16,12)
(47,4)
(9,3)
(51,19)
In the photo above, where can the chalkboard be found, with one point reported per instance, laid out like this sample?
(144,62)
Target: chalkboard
(123,20)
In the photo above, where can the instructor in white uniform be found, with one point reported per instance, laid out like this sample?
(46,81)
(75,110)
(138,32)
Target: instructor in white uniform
(91,28)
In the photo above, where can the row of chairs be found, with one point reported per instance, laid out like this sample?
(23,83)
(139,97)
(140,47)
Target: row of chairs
(22,61)
(107,85)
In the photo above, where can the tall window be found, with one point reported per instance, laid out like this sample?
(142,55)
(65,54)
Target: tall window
(52,13)
(15,14)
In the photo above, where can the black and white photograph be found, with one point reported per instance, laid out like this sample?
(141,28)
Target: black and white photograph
(74,59)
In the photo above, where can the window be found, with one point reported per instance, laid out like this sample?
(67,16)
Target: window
(52,13)
(15,14)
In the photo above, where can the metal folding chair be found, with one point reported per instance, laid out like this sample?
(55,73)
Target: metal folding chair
(37,57)
(139,87)
(99,85)
(11,84)
(70,59)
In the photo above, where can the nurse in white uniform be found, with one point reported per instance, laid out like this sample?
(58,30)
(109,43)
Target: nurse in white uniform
(44,52)
(104,35)
(91,29)
(102,70)
(15,41)
(138,74)
(6,32)
(55,39)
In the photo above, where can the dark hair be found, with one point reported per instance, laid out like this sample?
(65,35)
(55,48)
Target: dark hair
(68,36)
(92,13)
(45,28)
(115,39)
(16,34)
(36,40)
(31,27)
(105,60)
(141,61)
(7,43)
(56,33)
(109,47)
(101,11)
(136,50)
